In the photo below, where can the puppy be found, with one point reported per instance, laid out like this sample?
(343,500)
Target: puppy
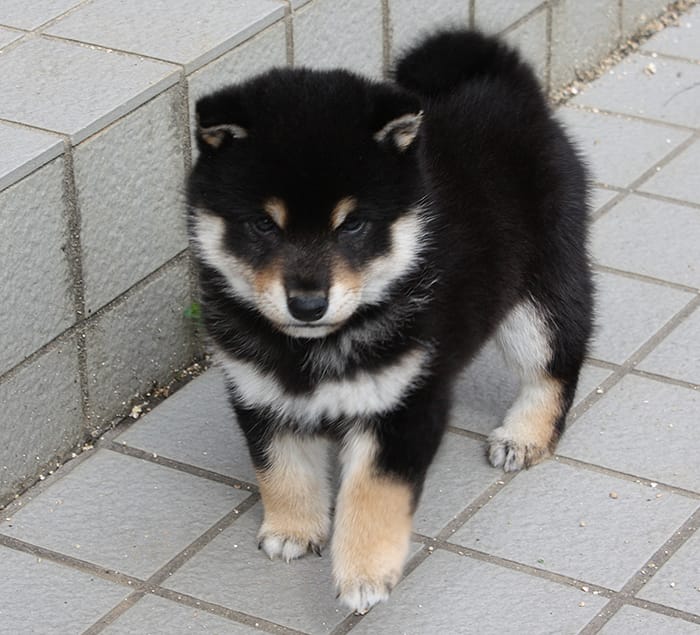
(357,243)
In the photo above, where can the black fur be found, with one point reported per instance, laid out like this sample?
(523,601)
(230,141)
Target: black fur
(505,203)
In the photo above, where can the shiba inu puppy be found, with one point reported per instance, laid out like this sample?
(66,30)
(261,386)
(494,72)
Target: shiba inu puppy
(357,243)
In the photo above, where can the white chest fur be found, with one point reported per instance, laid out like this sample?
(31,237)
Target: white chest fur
(364,395)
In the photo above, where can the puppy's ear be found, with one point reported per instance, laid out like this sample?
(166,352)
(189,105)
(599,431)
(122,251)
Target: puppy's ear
(220,118)
(397,117)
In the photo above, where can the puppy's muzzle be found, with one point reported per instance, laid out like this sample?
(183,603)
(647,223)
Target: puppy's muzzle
(307,306)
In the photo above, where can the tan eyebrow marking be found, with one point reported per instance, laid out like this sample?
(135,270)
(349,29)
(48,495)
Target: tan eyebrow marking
(341,210)
(277,210)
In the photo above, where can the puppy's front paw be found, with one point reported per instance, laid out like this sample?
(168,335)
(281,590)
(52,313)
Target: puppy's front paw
(513,454)
(287,547)
(361,595)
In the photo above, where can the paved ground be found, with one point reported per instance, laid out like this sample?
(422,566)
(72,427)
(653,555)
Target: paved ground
(153,531)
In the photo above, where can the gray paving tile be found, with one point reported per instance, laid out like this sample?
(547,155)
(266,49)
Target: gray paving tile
(678,355)
(563,519)
(575,46)
(459,474)
(629,312)
(669,94)
(230,571)
(123,513)
(41,417)
(135,166)
(679,178)
(144,338)
(448,593)
(328,34)
(410,19)
(494,17)
(677,583)
(154,615)
(74,89)
(23,151)
(654,238)
(484,392)
(196,426)
(188,33)
(630,619)
(628,427)
(39,596)
(618,149)
(682,40)
(530,38)
(37,303)
(29,15)
(8,35)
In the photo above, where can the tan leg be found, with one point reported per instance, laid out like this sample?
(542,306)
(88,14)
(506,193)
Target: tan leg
(295,492)
(372,528)
(529,431)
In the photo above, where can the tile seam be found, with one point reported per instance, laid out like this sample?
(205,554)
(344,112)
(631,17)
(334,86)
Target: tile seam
(668,56)
(641,277)
(240,617)
(180,466)
(74,254)
(597,110)
(540,8)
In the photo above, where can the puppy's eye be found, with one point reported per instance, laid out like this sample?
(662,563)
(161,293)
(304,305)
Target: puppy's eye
(353,225)
(263,226)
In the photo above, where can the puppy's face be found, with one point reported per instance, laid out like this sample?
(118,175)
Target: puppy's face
(304,196)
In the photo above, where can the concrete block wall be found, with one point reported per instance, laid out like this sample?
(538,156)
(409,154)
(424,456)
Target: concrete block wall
(95,142)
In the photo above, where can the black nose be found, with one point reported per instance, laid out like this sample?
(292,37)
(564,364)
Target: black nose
(306,307)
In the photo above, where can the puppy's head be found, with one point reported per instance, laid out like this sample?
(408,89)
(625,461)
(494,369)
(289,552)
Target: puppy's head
(305,195)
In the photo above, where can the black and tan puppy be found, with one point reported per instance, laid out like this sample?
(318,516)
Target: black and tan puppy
(358,242)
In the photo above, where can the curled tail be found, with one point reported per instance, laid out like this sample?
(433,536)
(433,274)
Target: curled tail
(441,62)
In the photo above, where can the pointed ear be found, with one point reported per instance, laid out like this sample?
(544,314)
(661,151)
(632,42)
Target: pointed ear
(401,131)
(220,118)
(397,117)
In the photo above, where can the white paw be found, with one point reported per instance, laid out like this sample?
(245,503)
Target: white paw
(287,548)
(361,596)
(513,454)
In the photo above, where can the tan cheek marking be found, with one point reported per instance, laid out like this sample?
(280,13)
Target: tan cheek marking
(340,212)
(277,210)
(265,279)
(344,277)
(373,523)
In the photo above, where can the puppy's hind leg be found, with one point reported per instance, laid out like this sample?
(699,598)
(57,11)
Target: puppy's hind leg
(535,421)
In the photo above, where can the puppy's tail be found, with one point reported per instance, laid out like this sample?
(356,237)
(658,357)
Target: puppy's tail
(443,61)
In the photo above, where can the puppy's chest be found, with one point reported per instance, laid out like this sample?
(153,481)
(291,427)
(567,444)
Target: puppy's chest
(362,393)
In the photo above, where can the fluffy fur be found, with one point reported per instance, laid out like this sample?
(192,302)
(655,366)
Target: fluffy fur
(357,243)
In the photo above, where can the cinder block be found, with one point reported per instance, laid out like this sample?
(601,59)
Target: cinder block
(636,13)
(530,38)
(144,339)
(265,50)
(493,17)
(129,186)
(178,31)
(74,89)
(41,417)
(411,19)
(329,34)
(37,303)
(582,34)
